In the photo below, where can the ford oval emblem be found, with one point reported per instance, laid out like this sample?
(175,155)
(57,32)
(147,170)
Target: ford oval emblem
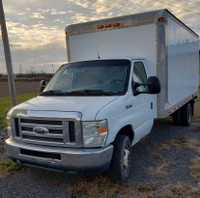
(40,130)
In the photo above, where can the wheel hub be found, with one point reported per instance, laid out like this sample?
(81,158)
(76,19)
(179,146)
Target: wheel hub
(126,158)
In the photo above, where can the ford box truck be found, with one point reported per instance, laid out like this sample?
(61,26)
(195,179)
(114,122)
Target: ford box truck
(122,73)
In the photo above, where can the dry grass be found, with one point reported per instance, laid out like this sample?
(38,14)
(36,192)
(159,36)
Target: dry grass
(192,144)
(196,116)
(105,188)
(4,172)
(102,187)
(8,167)
(161,163)
(99,187)
(195,169)
(181,142)
(158,170)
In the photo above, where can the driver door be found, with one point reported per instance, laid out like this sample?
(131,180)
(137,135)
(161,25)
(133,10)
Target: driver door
(143,102)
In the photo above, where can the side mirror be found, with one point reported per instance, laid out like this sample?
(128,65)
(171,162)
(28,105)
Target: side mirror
(135,85)
(42,85)
(153,85)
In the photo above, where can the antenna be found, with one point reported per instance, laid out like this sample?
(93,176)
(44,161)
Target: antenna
(98,54)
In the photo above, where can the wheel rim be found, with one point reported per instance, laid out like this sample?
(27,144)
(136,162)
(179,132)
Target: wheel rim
(127,158)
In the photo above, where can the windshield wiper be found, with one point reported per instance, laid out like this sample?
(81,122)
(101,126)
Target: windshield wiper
(86,92)
(90,92)
(53,93)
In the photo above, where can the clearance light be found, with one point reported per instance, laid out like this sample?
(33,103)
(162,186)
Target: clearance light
(116,24)
(161,19)
(108,25)
(100,27)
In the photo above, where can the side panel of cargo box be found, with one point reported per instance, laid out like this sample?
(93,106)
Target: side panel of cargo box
(183,64)
(177,65)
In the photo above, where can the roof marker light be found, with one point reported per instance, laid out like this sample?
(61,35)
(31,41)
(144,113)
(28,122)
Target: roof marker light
(116,24)
(162,19)
(108,25)
(100,27)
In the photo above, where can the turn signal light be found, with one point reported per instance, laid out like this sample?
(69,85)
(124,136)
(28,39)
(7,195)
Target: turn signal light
(103,130)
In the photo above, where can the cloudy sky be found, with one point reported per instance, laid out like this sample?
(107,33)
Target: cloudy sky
(36,27)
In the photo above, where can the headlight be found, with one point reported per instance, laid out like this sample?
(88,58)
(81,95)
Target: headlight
(9,126)
(94,133)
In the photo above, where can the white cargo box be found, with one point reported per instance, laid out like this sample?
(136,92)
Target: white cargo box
(170,48)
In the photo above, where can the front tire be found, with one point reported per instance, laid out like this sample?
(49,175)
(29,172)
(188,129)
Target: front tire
(121,159)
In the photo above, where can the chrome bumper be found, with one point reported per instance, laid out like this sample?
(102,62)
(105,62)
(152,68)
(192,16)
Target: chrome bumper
(65,159)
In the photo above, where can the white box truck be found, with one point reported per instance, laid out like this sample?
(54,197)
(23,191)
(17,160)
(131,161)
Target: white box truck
(123,73)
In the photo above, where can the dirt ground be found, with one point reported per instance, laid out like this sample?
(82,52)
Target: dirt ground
(31,87)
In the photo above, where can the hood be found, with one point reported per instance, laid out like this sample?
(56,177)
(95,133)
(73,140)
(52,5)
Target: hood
(87,106)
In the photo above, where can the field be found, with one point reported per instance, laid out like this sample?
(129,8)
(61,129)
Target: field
(22,87)
(25,89)
(5,106)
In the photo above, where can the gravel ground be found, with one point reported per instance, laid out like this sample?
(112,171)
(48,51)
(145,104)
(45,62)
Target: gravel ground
(146,165)
(3,137)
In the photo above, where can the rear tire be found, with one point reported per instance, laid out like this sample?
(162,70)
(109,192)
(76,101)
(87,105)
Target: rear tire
(121,159)
(186,115)
(176,117)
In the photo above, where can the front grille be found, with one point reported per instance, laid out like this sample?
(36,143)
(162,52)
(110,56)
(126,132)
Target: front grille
(72,132)
(40,154)
(46,131)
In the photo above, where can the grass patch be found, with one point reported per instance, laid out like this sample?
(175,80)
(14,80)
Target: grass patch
(99,187)
(102,187)
(105,188)
(181,142)
(196,116)
(144,189)
(5,106)
(178,142)
(159,169)
(7,167)
(195,169)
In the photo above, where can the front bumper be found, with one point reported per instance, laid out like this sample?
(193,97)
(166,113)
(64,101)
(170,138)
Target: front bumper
(65,159)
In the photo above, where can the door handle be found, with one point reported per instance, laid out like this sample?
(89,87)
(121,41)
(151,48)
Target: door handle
(128,106)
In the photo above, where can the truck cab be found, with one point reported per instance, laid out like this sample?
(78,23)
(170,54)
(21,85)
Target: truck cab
(86,108)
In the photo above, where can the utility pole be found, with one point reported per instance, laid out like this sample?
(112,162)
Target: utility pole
(11,82)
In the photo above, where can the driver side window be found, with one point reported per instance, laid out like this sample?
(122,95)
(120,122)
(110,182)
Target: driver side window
(139,76)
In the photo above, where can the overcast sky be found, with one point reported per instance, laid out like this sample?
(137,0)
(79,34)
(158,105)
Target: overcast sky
(36,27)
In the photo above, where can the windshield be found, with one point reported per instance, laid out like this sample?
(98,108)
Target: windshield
(102,77)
